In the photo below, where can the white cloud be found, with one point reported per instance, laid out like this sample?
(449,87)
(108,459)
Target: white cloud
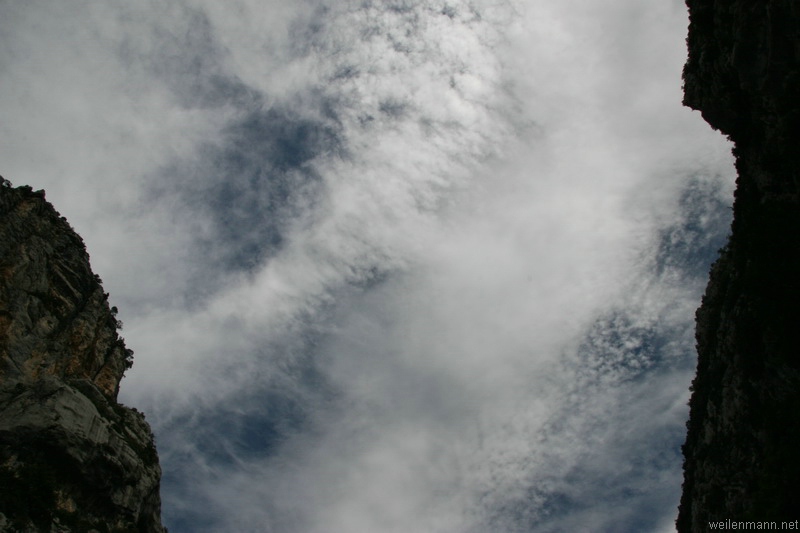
(455,328)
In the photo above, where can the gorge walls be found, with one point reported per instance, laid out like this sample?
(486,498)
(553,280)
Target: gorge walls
(72,459)
(741,453)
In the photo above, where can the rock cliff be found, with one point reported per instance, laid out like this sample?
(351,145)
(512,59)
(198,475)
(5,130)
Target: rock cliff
(742,452)
(72,460)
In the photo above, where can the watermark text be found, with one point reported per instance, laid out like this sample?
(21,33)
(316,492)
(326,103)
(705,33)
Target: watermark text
(753,525)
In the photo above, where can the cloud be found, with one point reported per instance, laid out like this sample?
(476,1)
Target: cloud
(386,266)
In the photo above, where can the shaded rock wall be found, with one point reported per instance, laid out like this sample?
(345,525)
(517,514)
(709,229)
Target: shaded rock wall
(71,458)
(742,452)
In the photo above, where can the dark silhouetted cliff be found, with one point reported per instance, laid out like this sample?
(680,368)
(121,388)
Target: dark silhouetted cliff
(742,452)
(72,460)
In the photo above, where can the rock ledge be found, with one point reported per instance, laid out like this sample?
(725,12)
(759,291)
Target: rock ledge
(72,459)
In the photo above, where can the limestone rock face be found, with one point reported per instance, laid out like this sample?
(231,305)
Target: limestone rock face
(71,458)
(742,452)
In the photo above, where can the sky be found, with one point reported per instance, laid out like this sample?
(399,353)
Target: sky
(385,265)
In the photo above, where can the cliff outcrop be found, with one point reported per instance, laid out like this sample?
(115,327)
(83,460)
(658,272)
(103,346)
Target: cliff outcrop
(742,452)
(72,459)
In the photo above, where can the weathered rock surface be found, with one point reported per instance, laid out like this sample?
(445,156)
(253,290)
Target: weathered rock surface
(742,452)
(71,458)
